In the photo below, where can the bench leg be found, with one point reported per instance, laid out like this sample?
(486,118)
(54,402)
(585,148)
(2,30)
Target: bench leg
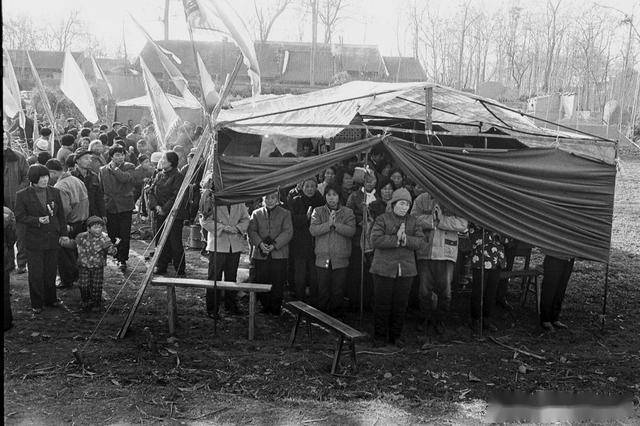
(336,355)
(252,314)
(352,348)
(308,327)
(171,309)
(538,293)
(294,331)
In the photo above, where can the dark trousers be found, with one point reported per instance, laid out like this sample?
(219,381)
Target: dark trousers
(491,278)
(304,272)
(6,295)
(21,230)
(391,296)
(68,257)
(42,276)
(503,285)
(227,263)
(353,284)
(331,284)
(119,226)
(173,250)
(435,288)
(554,285)
(274,272)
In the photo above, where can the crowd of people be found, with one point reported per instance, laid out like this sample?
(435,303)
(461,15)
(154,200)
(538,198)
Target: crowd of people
(317,241)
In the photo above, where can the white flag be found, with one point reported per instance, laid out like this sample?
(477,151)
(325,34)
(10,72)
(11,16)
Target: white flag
(164,117)
(42,93)
(9,78)
(218,15)
(75,86)
(9,105)
(100,75)
(211,96)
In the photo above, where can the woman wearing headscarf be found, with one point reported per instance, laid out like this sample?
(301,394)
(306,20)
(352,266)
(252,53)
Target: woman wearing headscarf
(39,208)
(270,230)
(395,236)
(161,195)
(332,226)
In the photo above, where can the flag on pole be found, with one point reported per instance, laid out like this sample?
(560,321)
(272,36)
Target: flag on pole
(97,70)
(174,73)
(165,119)
(9,104)
(9,77)
(42,94)
(218,15)
(75,86)
(211,96)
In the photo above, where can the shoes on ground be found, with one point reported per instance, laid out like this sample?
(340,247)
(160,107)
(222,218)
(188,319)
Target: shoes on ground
(558,324)
(21,270)
(547,326)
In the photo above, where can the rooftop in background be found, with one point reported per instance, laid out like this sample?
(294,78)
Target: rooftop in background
(288,63)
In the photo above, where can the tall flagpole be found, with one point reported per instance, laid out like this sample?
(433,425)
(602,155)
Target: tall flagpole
(195,63)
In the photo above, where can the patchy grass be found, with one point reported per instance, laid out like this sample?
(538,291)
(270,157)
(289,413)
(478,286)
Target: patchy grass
(201,376)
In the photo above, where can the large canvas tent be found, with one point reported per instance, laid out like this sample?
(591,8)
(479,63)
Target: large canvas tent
(551,188)
(137,108)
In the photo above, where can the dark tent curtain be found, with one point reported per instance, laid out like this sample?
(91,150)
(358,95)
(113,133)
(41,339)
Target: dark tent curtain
(549,198)
(557,201)
(245,179)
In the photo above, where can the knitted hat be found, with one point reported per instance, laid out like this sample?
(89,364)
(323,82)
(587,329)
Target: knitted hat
(94,220)
(42,145)
(156,157)
(400,194)
(35,172)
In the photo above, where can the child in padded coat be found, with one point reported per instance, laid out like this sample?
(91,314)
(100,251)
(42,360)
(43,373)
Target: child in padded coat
(395,236)
(93,247)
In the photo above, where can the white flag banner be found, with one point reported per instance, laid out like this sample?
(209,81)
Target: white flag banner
(9,105)
(75,87)
(218,15)
(164,116)
(9,77)
(42,93)
(211,96)
(176,76)
(100,75)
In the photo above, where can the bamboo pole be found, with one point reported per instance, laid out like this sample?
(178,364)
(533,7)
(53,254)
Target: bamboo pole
(172,214)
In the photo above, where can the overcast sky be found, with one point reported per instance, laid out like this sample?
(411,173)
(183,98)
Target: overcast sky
(370,21)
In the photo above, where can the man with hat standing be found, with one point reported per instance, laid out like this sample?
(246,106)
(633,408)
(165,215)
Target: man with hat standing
(113,133)
(118,180)
(75,203)
(43,143)
(66,149)
(82,171)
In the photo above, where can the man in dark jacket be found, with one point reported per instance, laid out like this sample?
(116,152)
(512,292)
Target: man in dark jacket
(9,241)
(15,179)
(161,195)
(82,171)
(113,133)
(118,180)
(302,244)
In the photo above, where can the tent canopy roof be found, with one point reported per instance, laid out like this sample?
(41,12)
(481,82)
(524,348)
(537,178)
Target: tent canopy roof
(338,106)
(143,101)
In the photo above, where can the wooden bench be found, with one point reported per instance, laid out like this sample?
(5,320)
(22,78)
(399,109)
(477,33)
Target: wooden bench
(172,283)
(529,277)
(300,309)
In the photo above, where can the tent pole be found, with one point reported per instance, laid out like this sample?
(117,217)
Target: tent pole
(428,106)
(363,243)
(215,265)
(195,62)
(606,293)
(482,284)
(183,188)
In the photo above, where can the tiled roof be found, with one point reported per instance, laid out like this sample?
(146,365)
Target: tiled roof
(42,59)
(404,69)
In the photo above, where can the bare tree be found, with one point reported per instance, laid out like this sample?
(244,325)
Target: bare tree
(21,33)
(66,32)
(266,16)
(330,13)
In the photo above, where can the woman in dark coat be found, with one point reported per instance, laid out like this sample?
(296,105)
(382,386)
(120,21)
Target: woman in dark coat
(161,195)
(39,208)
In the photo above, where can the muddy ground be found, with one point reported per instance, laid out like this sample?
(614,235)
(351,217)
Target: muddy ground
(205,377)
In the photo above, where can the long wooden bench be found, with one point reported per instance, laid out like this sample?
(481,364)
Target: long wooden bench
(301,309)
(529,277)
(172,283)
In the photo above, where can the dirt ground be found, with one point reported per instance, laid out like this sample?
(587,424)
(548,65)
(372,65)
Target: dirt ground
(203,377)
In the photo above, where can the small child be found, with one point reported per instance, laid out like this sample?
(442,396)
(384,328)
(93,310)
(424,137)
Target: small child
(93,247)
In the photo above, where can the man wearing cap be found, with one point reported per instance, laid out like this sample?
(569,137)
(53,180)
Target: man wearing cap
(118,180)
(113,132)
(43,143)
(71,124)
(82,171)
(97,160)
(75,204)
(15,179)
(66,149)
